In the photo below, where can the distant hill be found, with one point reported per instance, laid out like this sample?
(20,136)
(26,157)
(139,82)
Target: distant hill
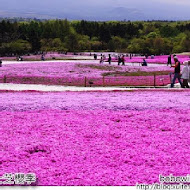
(118,13)
(20,19)
(121,13)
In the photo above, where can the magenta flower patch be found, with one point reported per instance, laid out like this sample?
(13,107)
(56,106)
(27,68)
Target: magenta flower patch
(73,74)
(95,138)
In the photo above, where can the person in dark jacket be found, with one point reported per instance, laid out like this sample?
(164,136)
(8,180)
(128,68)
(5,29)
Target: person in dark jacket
(119,60)
(177,74)
(109,59)
(123,60)
(169,60)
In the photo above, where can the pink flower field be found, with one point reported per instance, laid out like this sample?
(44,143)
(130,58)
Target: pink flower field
(74,73)
(162,59)
(95,138)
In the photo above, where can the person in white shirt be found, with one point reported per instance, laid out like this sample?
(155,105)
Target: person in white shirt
(185,74)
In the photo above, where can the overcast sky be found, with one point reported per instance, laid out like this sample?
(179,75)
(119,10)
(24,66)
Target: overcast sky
(98,9)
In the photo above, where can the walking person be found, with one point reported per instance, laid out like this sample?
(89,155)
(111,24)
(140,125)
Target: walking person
(177,69)
(109,59)
(119,60)
(185,74)
(169,60)
(123,60)
(95,56)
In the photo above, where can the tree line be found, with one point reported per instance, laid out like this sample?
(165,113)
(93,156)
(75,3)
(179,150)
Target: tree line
(152,37)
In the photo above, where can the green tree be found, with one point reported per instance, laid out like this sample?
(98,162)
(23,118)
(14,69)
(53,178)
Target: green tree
(117,44)
(72,41)
(84,43)
(169,31)
(53,45)
(17,47)
(95,44)
(136,45)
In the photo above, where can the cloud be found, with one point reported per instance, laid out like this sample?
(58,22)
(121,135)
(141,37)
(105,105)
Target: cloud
(174,2)
(152,9)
